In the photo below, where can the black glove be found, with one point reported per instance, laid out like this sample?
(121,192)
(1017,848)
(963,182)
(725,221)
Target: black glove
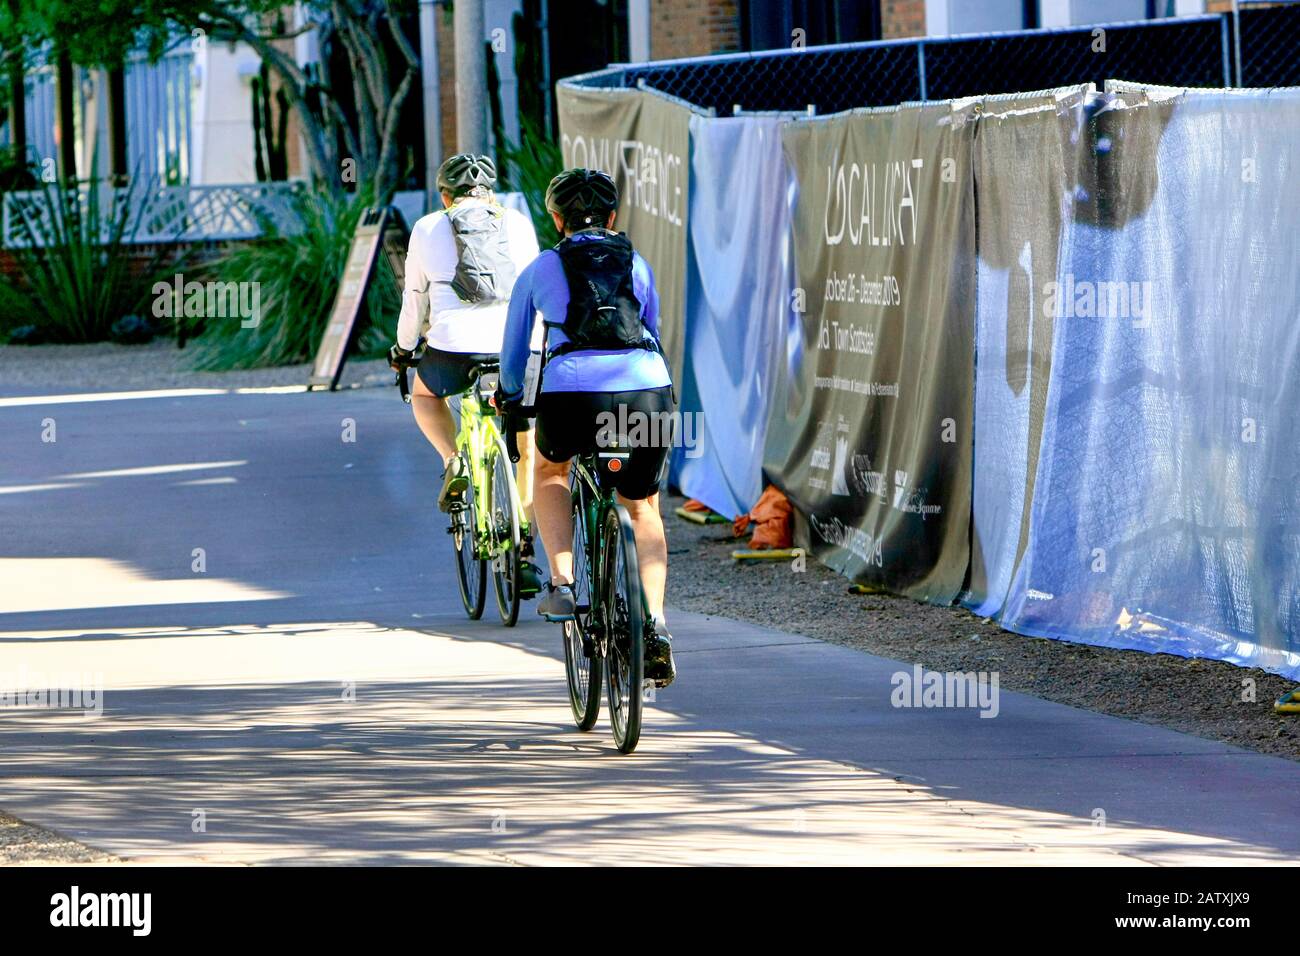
(505,406)
(399,358)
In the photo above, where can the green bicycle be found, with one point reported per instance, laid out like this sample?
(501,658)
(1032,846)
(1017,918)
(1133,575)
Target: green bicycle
(606,639)
(487,524)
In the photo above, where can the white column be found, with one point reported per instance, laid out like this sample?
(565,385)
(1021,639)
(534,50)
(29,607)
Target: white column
(432,92)
(638,30)
(471,78)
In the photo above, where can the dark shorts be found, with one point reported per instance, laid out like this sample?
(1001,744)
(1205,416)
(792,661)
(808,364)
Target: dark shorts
(569,423)
(449,373)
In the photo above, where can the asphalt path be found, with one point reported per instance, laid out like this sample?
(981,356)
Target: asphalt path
(288,677)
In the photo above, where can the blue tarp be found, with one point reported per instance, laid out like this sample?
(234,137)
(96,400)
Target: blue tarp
(737,296)
(1166,508)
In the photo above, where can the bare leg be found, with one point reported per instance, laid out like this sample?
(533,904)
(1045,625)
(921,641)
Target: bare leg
(524,476)
(434,418)
(554,509)
(651,550)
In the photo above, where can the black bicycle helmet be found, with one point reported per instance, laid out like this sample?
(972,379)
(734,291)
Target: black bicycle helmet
(582,197)
(465,172)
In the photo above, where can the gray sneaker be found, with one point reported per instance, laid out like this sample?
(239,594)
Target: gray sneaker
(659,665)
(454,483)
(558,604)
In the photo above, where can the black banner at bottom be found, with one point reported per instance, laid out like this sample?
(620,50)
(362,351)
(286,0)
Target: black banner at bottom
(333,906)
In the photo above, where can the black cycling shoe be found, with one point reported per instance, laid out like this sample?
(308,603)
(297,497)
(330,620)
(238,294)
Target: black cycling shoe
(558,605)
(530,579)
(659,666)
(454,483)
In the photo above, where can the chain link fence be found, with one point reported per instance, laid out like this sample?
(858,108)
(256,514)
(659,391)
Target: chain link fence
(1185,51)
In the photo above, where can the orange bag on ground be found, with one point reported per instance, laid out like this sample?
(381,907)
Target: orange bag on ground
(773,521)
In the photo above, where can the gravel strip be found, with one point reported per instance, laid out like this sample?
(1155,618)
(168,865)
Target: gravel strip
(1201,697)
(106,367)
(23,843)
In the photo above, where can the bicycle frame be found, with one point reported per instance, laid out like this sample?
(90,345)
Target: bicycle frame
(591,502)
(477,436)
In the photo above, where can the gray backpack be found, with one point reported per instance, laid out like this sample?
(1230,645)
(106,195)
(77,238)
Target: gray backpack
(484,269)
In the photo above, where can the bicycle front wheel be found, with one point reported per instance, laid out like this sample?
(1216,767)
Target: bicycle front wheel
(624,613)
(582,666)
(504,525)
(471,571)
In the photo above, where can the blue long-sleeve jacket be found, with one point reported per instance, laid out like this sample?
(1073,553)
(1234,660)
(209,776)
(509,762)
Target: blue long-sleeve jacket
(542,287)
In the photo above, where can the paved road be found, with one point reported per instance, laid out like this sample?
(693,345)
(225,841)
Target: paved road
(316,695)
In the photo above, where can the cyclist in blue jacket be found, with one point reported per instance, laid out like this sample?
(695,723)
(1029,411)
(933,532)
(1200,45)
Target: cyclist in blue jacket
(597,300)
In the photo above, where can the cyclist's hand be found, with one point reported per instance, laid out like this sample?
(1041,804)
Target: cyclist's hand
(503,405)
(399,358)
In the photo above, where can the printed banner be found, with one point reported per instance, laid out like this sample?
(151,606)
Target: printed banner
(642,139)
(874,442)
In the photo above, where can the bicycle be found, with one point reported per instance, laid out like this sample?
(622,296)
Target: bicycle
(487,524)
(606,638)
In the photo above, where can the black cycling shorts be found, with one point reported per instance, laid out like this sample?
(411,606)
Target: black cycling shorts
(569,424)
(450,373)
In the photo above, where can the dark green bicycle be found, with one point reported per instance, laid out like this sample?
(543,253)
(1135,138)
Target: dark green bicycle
(611,617)
(606,639)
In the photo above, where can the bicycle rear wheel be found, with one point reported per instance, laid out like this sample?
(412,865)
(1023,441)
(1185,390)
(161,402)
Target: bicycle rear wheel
(471,571)
(624,614)
(582,665)
(505,534)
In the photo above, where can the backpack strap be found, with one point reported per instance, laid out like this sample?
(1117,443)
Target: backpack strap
(564,348)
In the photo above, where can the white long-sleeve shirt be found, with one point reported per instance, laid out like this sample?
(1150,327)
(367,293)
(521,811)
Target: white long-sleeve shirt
(453,324)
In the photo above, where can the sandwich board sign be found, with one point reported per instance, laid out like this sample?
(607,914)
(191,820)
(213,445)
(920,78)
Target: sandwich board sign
(378,229)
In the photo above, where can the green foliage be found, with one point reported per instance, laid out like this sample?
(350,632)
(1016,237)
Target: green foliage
(16,309)
(81,271)
(533,163)
(298,276)
(17,170)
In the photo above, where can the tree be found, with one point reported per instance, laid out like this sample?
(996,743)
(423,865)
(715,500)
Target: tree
(104,32)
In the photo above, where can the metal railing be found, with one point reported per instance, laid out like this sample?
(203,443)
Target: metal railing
(158,111)
(163,214)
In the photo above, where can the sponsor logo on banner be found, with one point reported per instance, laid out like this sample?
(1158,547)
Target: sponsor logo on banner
(867,481)
(853,540)
(839,486)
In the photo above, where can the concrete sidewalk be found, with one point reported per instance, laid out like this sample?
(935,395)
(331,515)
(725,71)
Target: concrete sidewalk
(316,694)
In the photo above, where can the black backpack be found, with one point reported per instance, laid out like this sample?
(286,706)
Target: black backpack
(484,269)
(603,312)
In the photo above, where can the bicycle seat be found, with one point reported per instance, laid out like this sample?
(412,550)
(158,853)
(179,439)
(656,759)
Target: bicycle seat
(483,379)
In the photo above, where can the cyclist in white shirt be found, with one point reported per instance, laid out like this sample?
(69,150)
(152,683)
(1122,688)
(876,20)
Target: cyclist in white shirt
(461,265)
